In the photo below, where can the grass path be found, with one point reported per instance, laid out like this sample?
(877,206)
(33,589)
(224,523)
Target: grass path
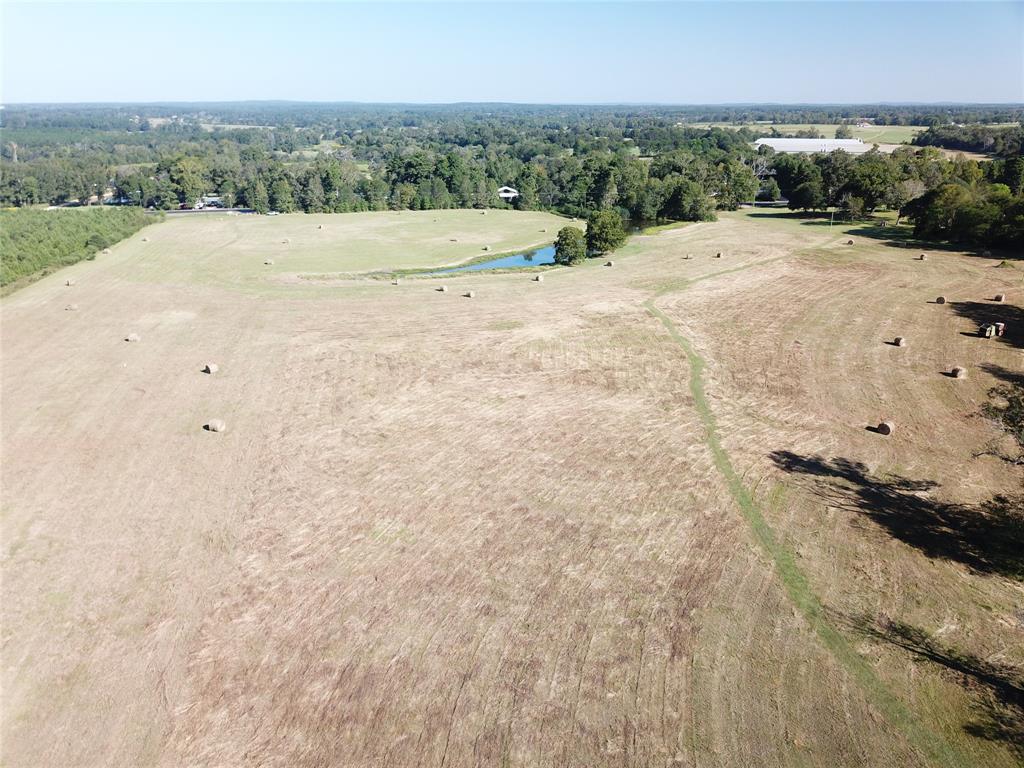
(929,743)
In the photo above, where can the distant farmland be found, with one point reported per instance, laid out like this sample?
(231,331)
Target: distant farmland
(881,134)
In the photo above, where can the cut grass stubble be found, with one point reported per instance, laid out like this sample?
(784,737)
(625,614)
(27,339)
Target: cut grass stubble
(930,744)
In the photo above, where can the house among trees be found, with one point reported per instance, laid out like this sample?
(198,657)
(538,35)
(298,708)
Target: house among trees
(508,194)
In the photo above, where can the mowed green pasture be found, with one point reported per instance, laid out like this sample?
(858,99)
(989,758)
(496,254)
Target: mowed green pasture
(881,134)
(234,249)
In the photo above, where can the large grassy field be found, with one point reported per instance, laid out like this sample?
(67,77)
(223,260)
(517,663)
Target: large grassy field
(626,516)
(233,250)
(882,134)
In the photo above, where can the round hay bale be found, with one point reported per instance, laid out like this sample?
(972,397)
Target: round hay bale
(940,300)
(210,368)
(285,241)
(539,279)
(132,337)
(885,428)
(718,255)
(145,239)
(1000,297)
(609,263)
(958,372)
(687,257)
(470,294)
(483,213)
(69,282)
(320,226)
(71,308)
(454,240)
(923,257)
(544,230)
(215,425)
(899,341)
(849,242)
(395,281)
(106,250)
(443,289)
(487,247)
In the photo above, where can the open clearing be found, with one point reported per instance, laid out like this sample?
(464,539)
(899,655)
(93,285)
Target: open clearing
(233,250)
(876,134)
(626,516)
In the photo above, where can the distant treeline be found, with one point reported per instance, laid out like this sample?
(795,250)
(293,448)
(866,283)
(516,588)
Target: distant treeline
(645,163)
(343,116)
(878,114)
(457,159)
(1001,141)
(35,242)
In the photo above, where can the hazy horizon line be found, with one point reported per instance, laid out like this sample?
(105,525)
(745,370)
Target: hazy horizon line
(175,102)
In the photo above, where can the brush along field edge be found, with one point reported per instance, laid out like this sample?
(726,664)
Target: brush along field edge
(930,744)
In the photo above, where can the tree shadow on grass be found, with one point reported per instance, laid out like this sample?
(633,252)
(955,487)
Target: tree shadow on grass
(895,236)
(889,233)
(1013,378)
(806,218)
(982,312)
(997,687)
(987,538)
(902,236)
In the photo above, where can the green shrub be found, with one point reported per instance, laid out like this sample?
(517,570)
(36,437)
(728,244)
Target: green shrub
(570,246)
(604,232)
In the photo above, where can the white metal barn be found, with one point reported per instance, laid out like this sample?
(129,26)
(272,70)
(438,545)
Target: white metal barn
(508,194)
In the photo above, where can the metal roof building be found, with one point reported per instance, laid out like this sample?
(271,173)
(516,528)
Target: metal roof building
(853,146)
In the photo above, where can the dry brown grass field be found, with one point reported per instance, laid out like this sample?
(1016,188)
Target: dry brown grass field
(628,516)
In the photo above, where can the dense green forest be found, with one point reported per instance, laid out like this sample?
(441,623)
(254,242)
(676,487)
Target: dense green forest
(643,162)
(35,242)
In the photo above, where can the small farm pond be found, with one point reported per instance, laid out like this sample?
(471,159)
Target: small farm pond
(536,258)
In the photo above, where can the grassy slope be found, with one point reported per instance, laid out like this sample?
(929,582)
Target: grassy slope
(232,249)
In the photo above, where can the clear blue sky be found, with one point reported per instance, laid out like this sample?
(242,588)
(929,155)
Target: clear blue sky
(511,51)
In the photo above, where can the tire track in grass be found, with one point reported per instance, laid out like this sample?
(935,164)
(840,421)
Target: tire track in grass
(927,742)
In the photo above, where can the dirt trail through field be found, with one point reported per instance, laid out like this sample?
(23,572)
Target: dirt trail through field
(797,587)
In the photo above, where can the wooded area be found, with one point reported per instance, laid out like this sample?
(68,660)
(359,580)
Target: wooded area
(646,163)
(35,242)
